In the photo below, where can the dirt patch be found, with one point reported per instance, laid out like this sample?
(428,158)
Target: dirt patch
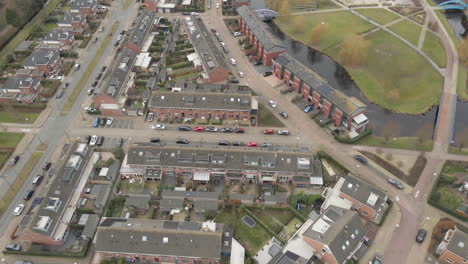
(411,178)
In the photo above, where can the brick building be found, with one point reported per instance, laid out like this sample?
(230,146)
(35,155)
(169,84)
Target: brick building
(73,23)
(45,60)
(84,7)
(107,105)
(157,241)
(235,166)
(20,89)
(335,105)
(267,46)
(59,38)
(453,249)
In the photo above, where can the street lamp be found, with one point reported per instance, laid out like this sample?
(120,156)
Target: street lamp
(4,260)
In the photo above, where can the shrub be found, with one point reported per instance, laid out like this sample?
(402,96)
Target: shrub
(435,196)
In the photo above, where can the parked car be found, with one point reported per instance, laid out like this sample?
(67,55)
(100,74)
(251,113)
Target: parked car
(233,61)
(98,76)
(257,63)
(13,247)
(59,94)
(155,140)
(239,130)
(252,144)
(182,141)
(266,145)
(109,121)
(185,128)
(100,141)
(237,143)
(283,132)
(217,5)
(150,117)
(96,122)
(213,30)
(28,194)
(226,130)
(18,209)
(94,84)
(272,103)
(268,73)
(234,80)
(308,109)
(360,159)
(15,160)
(268,131)
(103,69)
(87,139)
(396,183)
(198,129)
(46,166)
(66,85)
(90,91)
(159,127)
(283,115)
(211,129)
(103,121)
(237,34)
(224,143)
(76,67)
(38,179)
(376,260)
(241,74)
(93,140)
(421,235)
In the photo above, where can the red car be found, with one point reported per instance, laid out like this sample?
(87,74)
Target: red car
(252,144)
(198,129)
(268,131)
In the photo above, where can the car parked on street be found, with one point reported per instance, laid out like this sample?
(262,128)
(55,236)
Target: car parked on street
(237,34)
(159,127)
(360,159)
(268,73)
(211,129)
(76,67)
(421,235)
(46,166)
(93,140)
(100,141)
(103,121)
(268,131)
(18,209)
(199,129)
(241,74)
(233,61)
(239,130)
(283,115)
(15,160)
(376,260)
(257,63)
(226,130)
(308,109)
(96,122)
(109,121)
(272,103)
(396,183)
(155,140)
(224,143)
(237,143)
(182,141)
(266,145)
(13,247)
(28,194)
(150,117)
(252,144)
(90,91)
(283,132)
(185,128)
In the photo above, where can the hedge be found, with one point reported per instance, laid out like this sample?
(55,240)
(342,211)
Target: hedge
(180,65)
(85,211)
(352,140)
(390,205)
(324,155)
(268,229)
(438,206)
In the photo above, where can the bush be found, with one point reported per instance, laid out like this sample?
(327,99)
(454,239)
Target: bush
(118,153)
(435,196)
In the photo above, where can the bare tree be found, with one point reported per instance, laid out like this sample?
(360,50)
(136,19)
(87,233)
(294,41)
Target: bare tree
(391,129)
(354,51)
(463,52)
(317,33)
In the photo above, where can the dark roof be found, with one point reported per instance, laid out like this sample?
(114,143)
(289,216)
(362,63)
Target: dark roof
(261,31)
(459,244)
(205,205)
(138,201)
(78,4)
(364,192)
(90,226)
(159,238)
(57,34)
(23,46)
(42,57)
(340,229)
(68,18)
(167,204)
(20,82)
(168,194)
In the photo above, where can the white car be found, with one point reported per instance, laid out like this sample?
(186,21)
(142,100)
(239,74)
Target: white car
(93,140)
(159,127)
(19,209)
(194,14)
(101,29)
(233,61)
(217,5)
(56,77)
(119,37)
(109,121)
(272,103)
(237,34)
(241,74)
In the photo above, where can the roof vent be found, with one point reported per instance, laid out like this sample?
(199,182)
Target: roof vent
(203,98)
(165,240)
(162,97)
(461,244)
(232,99)
(144,238)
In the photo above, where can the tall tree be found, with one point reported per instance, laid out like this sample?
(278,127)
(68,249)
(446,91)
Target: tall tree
(317,33)
(353,51)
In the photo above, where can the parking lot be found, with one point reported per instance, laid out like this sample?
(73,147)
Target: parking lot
(121,123)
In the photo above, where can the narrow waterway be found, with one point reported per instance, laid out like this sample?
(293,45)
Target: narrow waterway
(339,78)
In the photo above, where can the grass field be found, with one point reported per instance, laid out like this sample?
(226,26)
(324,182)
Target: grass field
(89,70)
(410,143)
(266,118)
(434,49)
(10,140)
(378,15)
(340,25)
(276,219)
(18,117)
(252,239)
(323,5)
(22,176)
(407,30)
(3,158)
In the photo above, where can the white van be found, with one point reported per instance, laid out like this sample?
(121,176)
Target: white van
(37,180)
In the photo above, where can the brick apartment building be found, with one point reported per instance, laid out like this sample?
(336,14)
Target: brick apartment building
(73,23)
(453,248)
(300,169)
(84,7)
(45,60)
(58,38)
(335,105)
(259,36)
(179,105)
(158,241)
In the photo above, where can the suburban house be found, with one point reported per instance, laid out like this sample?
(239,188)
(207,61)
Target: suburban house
(157,241)
(267,46)
(46,60)
(212,59)
(235,166)
(20,89)
(453,249)
(84,7)
(73,23)
(201,202)
(334,104)
(58,38)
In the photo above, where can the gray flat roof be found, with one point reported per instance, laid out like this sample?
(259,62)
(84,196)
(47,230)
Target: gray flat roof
(158,238)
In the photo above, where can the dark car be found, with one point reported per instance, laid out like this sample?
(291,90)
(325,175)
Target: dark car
(421,235)
(259,62)
(268,73)
(13,247)
(234,80)
(103,69)
(98,76)
(226,130)
(185,128)
(361,159)
(28,194)
(46,166)
(102,121)
(224,143)
(66,85)
(396,183)
(155,140)
(283,115)
(237,143)
(100,141)
(87,139)
(238,130)
(15,160)
(94,84)
(182,141)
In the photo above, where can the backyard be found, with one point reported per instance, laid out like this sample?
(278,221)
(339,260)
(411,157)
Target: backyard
(275,218)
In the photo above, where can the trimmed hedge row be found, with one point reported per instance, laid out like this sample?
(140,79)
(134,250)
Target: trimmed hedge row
(268,229)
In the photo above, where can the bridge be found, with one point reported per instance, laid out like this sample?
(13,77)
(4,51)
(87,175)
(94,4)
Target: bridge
(266,14)
(453,4)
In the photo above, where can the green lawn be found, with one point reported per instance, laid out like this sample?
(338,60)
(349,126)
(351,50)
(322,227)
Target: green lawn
(378,15)
(326,4)
(18,117)
(10,140)
(451,168)
(266,118)
(410,143)
(461,82)
(252,239)
(448,199)
(3,157)
(407,30)
(434,49)
(340,25)
(275,218)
